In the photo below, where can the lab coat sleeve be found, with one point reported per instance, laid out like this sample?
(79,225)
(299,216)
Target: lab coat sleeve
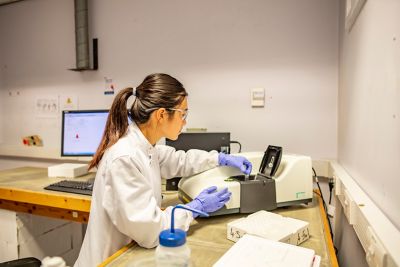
(130,204)
(180,164)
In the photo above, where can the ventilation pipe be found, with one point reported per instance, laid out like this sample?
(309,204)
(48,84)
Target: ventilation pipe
(6,2)
(82,38)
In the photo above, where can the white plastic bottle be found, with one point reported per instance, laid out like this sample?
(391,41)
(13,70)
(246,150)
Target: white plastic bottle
(173,254)
(53,262)
(173,250)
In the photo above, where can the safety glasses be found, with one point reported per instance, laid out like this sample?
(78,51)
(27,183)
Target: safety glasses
(184,112)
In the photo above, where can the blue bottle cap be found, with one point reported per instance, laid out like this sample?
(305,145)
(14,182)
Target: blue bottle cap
(176,237)
(172,239)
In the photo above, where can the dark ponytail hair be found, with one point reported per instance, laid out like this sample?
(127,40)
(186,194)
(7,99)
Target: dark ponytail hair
(156,91)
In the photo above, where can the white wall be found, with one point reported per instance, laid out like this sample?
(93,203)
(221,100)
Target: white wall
(1,90)
(218,49)
(7,162)
(369,110)
(369,104)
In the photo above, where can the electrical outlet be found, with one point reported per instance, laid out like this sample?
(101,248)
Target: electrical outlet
(348,205)
(376,254)
(338,186)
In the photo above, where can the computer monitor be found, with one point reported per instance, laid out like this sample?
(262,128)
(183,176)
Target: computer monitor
(205,141)
(82,131)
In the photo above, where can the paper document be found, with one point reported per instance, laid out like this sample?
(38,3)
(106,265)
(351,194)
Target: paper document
(256,251)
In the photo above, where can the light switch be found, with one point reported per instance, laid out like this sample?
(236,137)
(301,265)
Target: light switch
(257,97)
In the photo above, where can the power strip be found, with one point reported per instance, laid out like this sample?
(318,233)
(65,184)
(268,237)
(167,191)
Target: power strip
(378,236)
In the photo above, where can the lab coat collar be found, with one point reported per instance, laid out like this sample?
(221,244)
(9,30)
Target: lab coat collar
(134,130)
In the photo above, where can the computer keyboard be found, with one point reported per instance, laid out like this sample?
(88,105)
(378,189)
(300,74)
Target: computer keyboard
(70,186)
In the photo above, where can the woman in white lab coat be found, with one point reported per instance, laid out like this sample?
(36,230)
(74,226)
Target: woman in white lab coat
(127,193)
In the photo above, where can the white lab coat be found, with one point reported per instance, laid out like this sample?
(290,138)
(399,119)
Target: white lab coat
(127,195)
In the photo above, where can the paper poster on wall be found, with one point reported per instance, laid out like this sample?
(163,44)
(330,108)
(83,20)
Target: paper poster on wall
(46,107)
(109,86)
(68,102)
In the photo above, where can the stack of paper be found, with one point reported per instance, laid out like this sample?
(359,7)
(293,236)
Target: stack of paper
(270,226)
(256,251)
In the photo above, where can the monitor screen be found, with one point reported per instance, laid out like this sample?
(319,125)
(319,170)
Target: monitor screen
(205,141)
(82,131)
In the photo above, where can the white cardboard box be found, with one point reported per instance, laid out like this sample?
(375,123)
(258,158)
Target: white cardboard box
(270,226)
(68,170)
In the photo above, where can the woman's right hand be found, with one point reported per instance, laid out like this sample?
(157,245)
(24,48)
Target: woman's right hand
(210,200)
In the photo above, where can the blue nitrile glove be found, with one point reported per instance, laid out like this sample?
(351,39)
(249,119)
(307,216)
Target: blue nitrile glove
(210,200)
(235,161)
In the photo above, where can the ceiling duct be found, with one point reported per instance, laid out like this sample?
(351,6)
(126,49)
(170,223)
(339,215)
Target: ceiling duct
(82,38)
(6,2)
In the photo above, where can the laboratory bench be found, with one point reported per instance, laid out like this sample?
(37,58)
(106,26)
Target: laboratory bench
(207,237)
(21,190)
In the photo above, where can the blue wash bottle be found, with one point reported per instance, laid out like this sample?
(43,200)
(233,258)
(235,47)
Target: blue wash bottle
(173,250)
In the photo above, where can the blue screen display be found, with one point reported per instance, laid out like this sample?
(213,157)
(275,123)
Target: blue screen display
(82,131)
